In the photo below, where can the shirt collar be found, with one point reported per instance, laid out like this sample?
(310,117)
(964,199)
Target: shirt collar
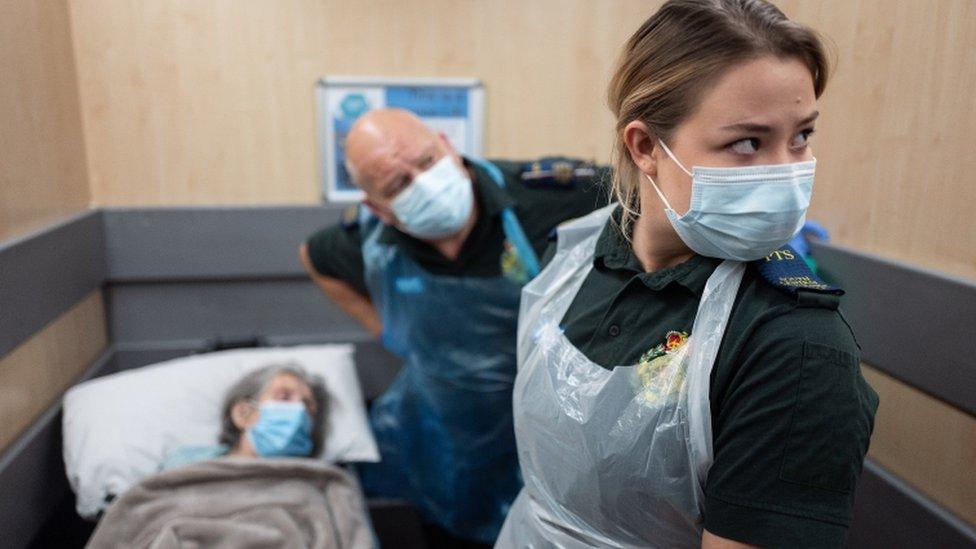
(490,200)
(614,252)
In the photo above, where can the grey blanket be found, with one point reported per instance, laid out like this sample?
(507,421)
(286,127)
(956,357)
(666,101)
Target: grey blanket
(240,503)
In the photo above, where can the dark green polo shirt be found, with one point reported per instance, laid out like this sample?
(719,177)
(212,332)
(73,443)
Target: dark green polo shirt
(336,251)
(791,413)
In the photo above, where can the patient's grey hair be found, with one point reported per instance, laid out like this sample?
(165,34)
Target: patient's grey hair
(254,383)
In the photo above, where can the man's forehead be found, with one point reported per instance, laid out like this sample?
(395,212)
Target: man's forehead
(386,156)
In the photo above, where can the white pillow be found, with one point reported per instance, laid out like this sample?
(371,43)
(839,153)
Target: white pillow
(118,428)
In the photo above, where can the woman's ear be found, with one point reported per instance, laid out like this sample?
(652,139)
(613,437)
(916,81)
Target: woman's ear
(641,143)
(243,414)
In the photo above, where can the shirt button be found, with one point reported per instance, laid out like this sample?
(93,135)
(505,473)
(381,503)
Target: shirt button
(614,330)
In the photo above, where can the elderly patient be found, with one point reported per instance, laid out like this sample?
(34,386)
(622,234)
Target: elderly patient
(274,411)
(238,501)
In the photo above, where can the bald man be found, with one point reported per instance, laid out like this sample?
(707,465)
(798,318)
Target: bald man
(433,262)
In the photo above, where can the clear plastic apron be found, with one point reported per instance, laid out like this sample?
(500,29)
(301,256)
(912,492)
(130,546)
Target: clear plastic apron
(610,458)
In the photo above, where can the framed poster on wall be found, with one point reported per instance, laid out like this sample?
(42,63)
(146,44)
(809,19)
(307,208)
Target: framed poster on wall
(455,106)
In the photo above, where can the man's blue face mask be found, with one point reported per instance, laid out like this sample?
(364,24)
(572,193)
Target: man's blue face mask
(437,203)
(283,429)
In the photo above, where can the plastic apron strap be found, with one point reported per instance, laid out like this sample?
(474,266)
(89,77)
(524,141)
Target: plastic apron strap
(510,223)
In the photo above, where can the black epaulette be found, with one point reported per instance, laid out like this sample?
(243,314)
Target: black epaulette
(557,173)
(350,218)
(786,269)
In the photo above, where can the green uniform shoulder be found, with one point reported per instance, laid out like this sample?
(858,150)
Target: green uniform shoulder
(558,173)
(780,298)
(555,172)
(785,270)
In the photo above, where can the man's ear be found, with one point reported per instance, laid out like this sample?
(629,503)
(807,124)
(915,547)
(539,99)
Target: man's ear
(442,137)
(243,414)
(641,144)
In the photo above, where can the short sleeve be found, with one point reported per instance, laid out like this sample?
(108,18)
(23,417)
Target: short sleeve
(336,252)
(790,435)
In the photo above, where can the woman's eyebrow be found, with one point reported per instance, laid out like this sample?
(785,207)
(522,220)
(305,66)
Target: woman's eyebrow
(748,127)
(813,116)
(763,128)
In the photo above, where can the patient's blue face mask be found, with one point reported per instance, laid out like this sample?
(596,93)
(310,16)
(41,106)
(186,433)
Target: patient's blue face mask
(742,213)
(283,429)
(437,202)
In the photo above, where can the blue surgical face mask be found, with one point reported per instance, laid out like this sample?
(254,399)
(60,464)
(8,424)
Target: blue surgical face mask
(742,213)
(283,429)
(437,203)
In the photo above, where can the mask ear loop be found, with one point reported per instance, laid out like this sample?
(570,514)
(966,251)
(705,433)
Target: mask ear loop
(658,191)
(680,165)
(675,158)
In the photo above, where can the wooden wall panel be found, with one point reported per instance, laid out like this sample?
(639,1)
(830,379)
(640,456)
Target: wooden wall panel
(36,373)
(545,64)
(42,158)
(200,102)
(927,443)
(896,160)
(211,102)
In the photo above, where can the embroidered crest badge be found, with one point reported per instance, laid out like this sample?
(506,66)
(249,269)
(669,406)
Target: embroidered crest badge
(658,375)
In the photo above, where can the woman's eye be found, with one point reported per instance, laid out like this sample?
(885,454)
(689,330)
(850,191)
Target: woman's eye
(802,139)
(745,146)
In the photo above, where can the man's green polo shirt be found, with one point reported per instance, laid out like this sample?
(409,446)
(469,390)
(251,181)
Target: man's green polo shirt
(336,251)
(791,413)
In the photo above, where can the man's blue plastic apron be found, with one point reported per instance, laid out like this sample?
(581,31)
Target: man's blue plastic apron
(444,427)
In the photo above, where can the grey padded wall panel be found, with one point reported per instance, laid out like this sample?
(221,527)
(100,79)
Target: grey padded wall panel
(890,514)
(199,310)
(32,477)
(46,273)
(195,243)
(915,325)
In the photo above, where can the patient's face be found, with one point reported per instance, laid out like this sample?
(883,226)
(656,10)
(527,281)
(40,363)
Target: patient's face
(282,387)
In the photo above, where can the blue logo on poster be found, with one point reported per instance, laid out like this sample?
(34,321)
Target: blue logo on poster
(430,101)
(354,105)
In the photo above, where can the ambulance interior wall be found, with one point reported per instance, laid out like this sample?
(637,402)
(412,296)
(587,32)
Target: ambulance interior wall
(140,104)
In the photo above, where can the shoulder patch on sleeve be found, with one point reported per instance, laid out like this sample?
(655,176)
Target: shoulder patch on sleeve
(350,218)
(785,269)
(556,173)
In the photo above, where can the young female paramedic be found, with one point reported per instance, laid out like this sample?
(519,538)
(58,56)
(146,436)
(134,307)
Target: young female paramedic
(684,380)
